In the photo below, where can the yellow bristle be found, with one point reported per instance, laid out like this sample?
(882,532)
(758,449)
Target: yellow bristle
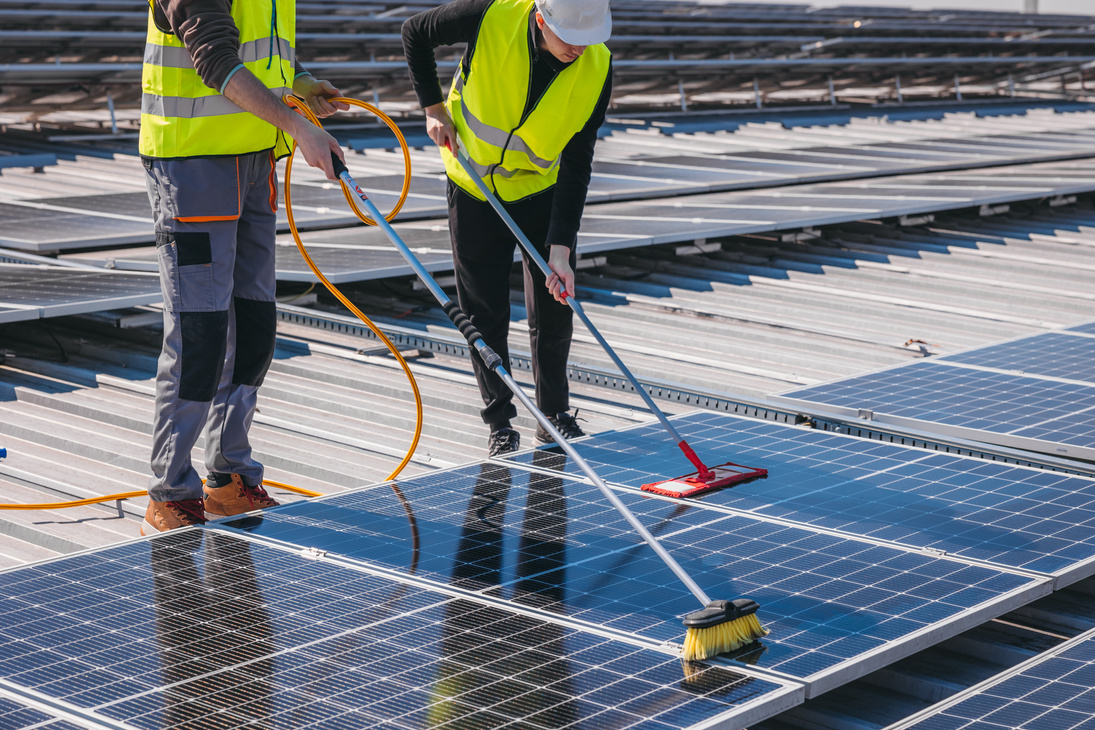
(703,643)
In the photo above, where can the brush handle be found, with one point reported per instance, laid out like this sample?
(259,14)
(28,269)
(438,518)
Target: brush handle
(533,254)
(494,362)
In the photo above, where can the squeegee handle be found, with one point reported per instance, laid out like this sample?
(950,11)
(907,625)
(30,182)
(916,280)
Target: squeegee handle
(533,254)
(494,362)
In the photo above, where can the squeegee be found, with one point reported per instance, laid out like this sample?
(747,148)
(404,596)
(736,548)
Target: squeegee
(705,478)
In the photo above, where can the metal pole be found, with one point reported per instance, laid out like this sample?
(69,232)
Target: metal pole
(680,90)
(110,106)
(897,88)
(1011,85)
(489,355)
(832,92)
(957,87)
(756,92)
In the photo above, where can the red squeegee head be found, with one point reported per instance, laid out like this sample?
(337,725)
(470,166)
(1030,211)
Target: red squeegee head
(704,479)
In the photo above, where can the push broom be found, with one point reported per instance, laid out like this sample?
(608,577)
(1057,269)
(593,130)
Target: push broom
(720,626)
(705,478)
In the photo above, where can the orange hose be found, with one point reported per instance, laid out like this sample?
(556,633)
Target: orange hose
(296,104)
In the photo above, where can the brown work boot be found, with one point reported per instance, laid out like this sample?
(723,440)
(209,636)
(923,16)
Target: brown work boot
(228,494)
(163,516)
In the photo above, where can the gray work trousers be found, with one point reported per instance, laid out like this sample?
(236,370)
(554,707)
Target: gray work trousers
(216,221)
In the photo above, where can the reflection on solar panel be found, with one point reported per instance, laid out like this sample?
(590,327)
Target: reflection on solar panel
(1018,517)
(554,544)
(200,627)
(1054,690)
(1035,393)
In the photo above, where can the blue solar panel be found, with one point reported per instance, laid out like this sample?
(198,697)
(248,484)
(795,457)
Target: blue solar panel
(555,544)
(1011,515)
(1088,328)
(1050,354)
(16,716)
(199,628)
(999,403)
(1054,692)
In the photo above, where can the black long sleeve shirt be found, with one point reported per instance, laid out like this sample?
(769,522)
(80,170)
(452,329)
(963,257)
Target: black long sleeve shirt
(458,22)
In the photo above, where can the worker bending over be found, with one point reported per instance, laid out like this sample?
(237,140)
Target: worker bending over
(212,127)
(527,101)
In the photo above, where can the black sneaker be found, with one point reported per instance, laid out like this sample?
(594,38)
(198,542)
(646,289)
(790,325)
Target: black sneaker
(565,424)
(503,441)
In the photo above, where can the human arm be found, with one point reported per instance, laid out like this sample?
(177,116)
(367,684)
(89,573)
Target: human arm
(568,202)
(209,34)
(446,25)
(247,92)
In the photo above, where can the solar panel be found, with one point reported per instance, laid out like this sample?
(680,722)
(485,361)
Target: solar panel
(199,627)
(1088,328)
(1023,411)
(1011,516)
(54,291)
(554,544)
(15,716)
(1052,354)
(1054,690)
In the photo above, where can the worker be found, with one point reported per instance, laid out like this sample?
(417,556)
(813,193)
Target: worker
(527,100)
(212,127)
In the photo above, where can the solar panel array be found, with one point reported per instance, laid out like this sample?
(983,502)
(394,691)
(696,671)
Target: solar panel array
(202,627)
(511,591)
(662,49)
(1036,393)
(1054,690)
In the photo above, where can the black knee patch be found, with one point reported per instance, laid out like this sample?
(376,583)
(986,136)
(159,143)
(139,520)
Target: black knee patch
(256,331)
(204,339)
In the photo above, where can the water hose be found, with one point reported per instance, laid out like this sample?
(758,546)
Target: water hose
(296,104)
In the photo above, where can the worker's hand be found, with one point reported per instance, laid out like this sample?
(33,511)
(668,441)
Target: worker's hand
(562,276)
(440,129)
(317,95)
(317,147)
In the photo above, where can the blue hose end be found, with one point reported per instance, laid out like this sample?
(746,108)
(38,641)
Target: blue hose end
(3,453)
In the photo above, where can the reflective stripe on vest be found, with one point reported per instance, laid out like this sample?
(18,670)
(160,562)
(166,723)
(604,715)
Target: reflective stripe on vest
(517,157)
(182,117)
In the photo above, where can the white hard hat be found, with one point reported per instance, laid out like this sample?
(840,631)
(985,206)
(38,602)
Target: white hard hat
(577,22)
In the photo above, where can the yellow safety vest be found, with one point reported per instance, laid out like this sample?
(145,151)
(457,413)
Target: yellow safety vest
(182,117)
(517,156)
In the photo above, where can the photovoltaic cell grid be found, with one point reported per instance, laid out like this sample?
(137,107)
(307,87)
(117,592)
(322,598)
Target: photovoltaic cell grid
(1013,516)
(1055,692)
(1001,403)
(15,716)
(170,632)
(555,544)
(54,290)
(1051,354)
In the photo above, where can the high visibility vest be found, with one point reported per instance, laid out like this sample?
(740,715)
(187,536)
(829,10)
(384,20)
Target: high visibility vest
(182,117)
(516,155)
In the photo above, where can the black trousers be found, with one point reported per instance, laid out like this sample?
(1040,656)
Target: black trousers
(482,248)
